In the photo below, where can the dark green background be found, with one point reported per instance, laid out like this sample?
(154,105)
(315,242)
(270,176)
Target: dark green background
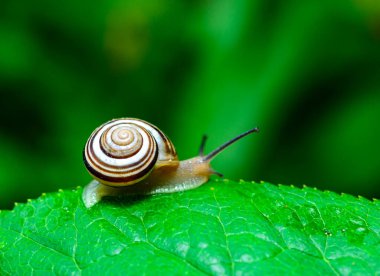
(306,72)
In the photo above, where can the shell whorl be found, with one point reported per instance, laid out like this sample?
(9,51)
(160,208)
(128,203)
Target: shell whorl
(124,151)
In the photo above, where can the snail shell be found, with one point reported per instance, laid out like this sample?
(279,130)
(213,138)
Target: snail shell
(124,151)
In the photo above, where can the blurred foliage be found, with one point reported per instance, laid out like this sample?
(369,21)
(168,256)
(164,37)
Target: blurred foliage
(307,73)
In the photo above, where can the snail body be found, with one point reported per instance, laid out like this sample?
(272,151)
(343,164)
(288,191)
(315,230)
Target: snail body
(131,156)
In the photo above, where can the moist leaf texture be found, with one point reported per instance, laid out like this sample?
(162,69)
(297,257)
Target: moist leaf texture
(221,228)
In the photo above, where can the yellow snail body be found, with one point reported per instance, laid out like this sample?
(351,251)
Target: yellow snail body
(130,156)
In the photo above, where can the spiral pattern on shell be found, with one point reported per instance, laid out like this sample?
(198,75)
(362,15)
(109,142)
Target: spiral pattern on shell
(124,151)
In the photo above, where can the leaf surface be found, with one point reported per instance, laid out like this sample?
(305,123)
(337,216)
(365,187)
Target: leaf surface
(221,228)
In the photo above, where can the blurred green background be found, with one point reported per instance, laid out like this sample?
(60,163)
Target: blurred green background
(306,72)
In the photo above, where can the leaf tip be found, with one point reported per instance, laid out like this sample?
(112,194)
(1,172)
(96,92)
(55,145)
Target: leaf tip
(363,198)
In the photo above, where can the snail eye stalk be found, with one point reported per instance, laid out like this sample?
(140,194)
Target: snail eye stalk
(219,149)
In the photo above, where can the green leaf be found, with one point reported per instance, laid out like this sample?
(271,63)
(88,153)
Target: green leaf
(222,228)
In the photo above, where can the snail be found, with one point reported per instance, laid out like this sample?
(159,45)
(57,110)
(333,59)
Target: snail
(131,156)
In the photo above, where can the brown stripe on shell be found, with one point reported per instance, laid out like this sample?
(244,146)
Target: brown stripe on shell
(108,153)
(102,166)
(91,159)
(170,149)
(118,176)
(107,180)
(106,176)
